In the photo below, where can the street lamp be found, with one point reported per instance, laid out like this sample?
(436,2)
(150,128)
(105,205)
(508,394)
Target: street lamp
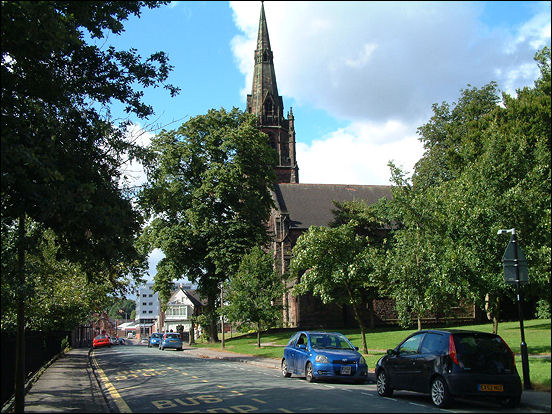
(516,262)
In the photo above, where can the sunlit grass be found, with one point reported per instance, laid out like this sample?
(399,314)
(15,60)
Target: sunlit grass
(537,338)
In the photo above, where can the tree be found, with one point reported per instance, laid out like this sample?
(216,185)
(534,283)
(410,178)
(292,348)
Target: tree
(254,291)
(121,308)
(208,195)
(489,168)
(334,265)
(60,155)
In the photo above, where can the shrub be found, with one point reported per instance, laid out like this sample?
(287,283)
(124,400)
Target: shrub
(543,309)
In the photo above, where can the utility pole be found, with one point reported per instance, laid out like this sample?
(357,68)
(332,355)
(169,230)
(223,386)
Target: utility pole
(221,315)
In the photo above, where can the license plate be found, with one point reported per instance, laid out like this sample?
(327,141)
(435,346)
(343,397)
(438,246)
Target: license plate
(345,370)
(491,387)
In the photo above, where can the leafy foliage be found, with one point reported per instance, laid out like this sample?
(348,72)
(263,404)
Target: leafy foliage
(208,194)
(254,292)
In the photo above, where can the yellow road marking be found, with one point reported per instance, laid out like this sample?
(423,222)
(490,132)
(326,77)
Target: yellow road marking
(121,404)
(259,401)
(221,386)
(284,410)
(237,392)
(204,381)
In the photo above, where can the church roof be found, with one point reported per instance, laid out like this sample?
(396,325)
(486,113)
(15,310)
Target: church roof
(312,204)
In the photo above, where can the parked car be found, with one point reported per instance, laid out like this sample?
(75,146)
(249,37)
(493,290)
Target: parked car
(113,340)
(101,340)
(121,341)
(448,364)
(155,339)
(171,340)
(145,341)
(323,355)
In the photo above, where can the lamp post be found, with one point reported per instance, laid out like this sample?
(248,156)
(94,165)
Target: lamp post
(221,315)
(513,246)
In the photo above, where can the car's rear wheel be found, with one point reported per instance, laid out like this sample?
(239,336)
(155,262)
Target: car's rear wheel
(510,402)
(382,385)
(440,395)
(309,373)
(285,371)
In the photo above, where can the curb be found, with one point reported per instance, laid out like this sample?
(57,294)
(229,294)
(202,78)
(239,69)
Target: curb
(92,364)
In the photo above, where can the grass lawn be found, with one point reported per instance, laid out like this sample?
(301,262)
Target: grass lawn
(537,337)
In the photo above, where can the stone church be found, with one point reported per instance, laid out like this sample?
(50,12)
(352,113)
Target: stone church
(298,206)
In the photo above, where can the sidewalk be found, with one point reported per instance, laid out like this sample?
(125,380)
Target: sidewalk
(69,384)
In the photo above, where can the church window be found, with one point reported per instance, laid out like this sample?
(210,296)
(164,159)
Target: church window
(265,56)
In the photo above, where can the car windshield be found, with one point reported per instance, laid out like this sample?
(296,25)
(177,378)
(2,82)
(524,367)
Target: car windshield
(156,335)
(329,341)
(483,353)
(173,335)
(100,337)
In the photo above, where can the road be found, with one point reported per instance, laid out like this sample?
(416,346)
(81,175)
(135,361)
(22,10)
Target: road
(139,379)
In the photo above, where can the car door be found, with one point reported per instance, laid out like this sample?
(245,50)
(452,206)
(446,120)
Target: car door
(434,347)
(289,353)
(301,354)
(402,365)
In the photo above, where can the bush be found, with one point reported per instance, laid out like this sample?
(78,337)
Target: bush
(543,309)
(65,344)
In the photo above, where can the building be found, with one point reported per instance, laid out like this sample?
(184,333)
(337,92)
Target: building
(182,305)
(298,206)
(147,311)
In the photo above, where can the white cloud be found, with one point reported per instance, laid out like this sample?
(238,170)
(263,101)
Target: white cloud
(358,154)
(371,62)
(133,172)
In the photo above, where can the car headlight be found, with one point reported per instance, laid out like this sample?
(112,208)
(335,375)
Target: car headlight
(322,359)
(361,361)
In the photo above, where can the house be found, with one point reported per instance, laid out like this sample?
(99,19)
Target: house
(181,306)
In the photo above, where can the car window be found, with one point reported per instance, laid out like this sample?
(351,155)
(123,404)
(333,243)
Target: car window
(293,339)
(411,345)
(483,353)
(334,341)
(435,344)
(173,335)
(301,341)
(100,337)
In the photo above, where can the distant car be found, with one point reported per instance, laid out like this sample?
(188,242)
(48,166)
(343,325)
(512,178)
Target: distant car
(171,340)
(113,340)
(144,340)
(323,355)
(121,341)
(449,363)
(155,339)
(101,340)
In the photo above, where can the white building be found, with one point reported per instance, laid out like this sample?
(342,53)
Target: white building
(182,305)
(147,310)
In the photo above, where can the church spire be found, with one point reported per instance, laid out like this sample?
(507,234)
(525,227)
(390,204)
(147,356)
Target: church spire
(265,100)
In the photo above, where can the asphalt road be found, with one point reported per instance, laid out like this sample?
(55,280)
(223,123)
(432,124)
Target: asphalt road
(141,379)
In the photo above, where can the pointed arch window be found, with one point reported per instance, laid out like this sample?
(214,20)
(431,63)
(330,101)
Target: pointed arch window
(265,56)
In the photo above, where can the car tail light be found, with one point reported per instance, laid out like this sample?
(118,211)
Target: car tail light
(511,353)
(452,350)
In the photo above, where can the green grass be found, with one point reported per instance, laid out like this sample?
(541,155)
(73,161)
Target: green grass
(537,338)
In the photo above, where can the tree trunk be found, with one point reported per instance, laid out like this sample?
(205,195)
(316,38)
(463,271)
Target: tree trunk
(259,335)
(419,323)
(20,336)
(362,328)
(191,338)
(212,315)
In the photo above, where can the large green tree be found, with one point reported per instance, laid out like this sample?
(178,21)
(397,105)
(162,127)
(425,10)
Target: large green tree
(487,167)
(60,154)
(254,292)
(209,198)
(333,264)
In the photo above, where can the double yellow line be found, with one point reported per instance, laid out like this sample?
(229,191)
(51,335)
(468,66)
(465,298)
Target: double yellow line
(121,404)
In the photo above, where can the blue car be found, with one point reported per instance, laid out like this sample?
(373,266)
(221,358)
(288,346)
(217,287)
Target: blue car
(323,355)
(171,340)
(155,339)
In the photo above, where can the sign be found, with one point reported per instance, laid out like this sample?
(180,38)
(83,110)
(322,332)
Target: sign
(509,264)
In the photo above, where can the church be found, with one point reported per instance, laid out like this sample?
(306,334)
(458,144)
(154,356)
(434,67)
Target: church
(297,206)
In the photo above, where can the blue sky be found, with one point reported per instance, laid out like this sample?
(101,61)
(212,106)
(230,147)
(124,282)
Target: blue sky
(360,76)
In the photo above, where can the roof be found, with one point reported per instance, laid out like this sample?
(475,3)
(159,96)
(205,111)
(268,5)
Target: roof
(312,204)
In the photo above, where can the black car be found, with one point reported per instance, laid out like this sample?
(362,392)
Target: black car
(448,364)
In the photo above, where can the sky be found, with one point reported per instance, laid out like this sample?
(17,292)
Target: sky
(361,77)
